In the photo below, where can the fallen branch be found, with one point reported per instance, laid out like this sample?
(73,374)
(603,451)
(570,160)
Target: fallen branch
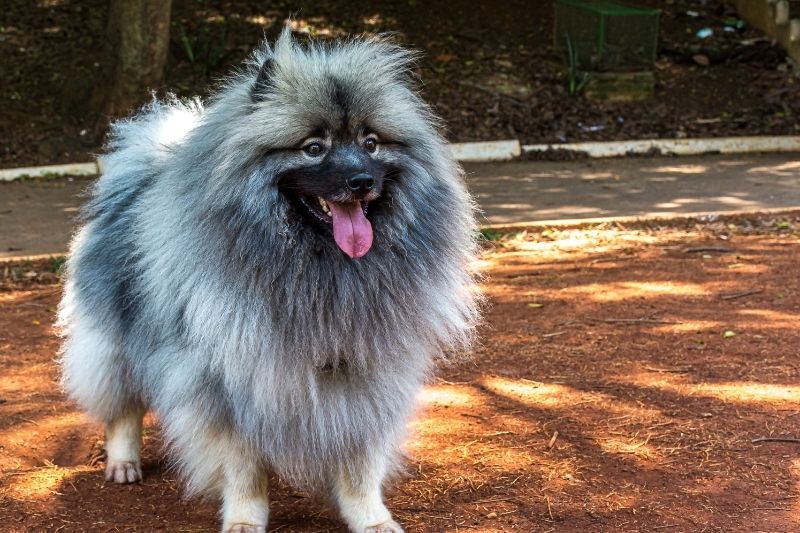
(740,294)
(677,370)
(633,320)
(701,249)
(554,334)
(775,439)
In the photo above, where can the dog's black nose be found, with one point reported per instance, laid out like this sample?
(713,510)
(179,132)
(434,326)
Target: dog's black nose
(361,183)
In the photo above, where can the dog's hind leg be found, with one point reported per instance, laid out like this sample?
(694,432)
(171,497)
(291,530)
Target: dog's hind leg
(95,374)
(357,492)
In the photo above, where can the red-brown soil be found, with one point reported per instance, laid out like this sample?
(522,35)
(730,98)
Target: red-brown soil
(622,375)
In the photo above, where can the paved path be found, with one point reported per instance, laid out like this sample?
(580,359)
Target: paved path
(512,193)
(36,216)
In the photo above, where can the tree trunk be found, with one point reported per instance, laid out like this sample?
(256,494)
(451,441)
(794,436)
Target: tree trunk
(138,42)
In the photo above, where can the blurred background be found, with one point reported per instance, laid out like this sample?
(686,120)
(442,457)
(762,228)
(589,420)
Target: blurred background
(493,70)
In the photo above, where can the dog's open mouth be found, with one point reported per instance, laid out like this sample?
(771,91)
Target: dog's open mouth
(352,231)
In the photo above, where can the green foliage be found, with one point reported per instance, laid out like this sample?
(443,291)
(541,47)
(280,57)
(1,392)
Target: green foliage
(576,79)
(56,263)
(491,235)
(206,48)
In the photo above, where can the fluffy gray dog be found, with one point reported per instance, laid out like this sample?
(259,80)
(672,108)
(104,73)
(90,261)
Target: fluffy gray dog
(274,274)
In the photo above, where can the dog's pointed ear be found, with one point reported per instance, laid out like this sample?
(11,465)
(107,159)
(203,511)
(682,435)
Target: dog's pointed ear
(262,84)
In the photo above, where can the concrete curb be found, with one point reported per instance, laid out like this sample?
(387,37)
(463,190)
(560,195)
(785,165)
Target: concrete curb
(50,171)
(724,145)
(486,151)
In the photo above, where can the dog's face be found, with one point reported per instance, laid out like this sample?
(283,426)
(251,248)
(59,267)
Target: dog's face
(336,182)
(341,131)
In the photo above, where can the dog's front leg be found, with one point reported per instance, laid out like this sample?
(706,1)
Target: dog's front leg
(245,504)
(357,492)
(123,441)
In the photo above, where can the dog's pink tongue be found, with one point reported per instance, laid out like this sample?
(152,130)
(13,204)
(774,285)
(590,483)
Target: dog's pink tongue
(351,229)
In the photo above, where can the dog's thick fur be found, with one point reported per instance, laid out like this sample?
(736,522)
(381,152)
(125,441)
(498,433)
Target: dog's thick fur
(195,289)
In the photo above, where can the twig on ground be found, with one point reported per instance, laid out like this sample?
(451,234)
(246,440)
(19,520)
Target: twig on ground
(498,433)
(552,440)
(676,370)
(740,294)
(701,249)
(554,334)
(632,320)
(492,500)
(775,439)
(665,526)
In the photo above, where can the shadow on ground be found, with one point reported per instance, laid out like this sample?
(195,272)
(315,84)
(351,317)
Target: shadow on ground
(512,192)
(622,375)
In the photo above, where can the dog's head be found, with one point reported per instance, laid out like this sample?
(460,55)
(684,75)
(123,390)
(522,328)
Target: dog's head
(338,129)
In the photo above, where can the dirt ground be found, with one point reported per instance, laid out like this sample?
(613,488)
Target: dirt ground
(624,378)
(488,68)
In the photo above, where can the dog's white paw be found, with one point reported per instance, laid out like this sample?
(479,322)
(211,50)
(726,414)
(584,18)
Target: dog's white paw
(123,471)
(244,528)
(390,526)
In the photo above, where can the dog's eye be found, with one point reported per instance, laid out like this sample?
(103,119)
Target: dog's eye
(313,149)
(370,144)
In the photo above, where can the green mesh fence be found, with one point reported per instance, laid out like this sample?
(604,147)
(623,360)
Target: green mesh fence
(602,35)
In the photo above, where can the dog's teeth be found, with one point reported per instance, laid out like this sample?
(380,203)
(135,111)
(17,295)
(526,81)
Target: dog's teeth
(324,206)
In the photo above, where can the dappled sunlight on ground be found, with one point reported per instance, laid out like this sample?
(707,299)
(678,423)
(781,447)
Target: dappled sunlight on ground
(448,395)
(690,326)
(767,318)
(587,242)
(27,429)
(680,169)
(784,169)
(620,380)
(16,296)
(637,446)
(626,290)
(728,392)
(44,482)
(533,393)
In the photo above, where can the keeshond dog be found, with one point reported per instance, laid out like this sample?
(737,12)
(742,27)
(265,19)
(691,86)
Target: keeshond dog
(274,273)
